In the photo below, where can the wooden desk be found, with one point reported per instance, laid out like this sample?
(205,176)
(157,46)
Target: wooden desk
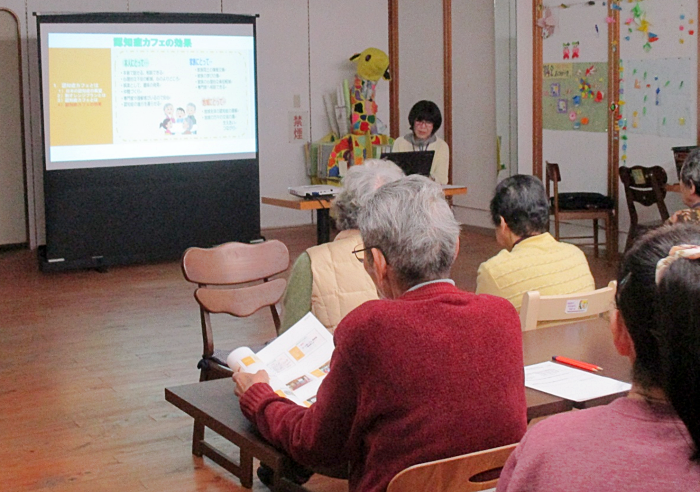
(214,405)
(588,341)
(323,205)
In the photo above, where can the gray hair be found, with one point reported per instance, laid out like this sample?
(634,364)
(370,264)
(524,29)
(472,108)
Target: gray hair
(413,226)
(358,186)
(690,172)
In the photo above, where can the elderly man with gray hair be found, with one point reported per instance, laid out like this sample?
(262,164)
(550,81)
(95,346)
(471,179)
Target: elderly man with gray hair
(326,279)
(427,372)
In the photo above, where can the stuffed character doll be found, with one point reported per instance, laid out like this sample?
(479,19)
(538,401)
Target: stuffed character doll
(372,66)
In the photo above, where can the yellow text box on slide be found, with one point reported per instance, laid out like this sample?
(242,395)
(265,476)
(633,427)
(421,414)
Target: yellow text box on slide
(80,92)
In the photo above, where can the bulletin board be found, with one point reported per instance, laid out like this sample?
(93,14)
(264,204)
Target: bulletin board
(657,96)
(658,72)
(574,96)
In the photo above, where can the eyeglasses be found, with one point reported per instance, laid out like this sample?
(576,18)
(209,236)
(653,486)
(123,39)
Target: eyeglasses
(422,123)
(360,253)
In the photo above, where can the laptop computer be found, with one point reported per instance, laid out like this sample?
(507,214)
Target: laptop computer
(416,162)
(314,191)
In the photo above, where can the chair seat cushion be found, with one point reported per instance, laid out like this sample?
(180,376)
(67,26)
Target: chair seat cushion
(584,201)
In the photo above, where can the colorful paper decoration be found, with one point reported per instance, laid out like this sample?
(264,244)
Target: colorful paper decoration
(547,23)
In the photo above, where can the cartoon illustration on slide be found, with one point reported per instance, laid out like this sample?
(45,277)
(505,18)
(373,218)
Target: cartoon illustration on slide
(169,110)
(178,121)
(186,127)
(180,115)
(191,110)
(167,125)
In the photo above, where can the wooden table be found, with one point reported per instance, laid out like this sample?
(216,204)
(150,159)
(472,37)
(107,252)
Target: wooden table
(323,205)
(588,341)
(214,405)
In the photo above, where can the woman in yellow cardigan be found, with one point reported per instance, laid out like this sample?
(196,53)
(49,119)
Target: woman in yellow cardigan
(532,258)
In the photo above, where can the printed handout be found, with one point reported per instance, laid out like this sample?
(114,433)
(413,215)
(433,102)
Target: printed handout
(297,361)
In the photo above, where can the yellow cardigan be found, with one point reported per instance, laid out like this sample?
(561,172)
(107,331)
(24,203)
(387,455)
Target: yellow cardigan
(537,263)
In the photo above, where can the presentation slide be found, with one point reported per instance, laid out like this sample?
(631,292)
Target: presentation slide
(125,94)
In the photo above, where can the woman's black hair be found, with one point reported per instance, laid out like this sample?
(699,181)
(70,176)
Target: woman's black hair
(522,202)
(425,111)
(664,321)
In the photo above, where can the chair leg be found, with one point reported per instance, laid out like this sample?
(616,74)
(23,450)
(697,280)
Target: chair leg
(556,228)
(630,237)
(197,438)
(610,242)
(595,237)
(246,464)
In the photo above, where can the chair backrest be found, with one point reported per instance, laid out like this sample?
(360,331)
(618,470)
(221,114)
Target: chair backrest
(644,185)
(452,474)
(220,271)
(553,176)
(564,308)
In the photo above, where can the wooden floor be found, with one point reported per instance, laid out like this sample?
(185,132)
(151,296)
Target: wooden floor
(84,359)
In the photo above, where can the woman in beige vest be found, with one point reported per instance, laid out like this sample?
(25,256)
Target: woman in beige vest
(327,279)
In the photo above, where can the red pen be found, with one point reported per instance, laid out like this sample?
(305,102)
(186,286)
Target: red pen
(577,363)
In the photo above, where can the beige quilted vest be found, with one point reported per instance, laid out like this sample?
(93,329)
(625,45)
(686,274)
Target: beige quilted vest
(340,282)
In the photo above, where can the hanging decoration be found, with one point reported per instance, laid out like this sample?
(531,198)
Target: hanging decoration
(638,23)
(547,23)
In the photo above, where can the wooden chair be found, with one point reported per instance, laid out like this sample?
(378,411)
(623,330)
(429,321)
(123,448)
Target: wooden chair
(564,308)
(601,208)
(219,273)
(452,474)
(646,186)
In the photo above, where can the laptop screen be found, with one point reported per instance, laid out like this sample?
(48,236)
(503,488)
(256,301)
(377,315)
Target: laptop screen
(416,162)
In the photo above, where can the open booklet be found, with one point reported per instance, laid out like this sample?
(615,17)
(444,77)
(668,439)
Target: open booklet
(297,361)
(571,384)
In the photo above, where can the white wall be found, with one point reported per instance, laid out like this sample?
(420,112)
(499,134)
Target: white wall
(421,65)
(582,156)
(283,72)
(13,225)
(288,70)
(506,84)
(524,69)
(474,109)
(336,36)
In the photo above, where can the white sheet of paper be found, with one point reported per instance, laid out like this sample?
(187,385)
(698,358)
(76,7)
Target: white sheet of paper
(570,383)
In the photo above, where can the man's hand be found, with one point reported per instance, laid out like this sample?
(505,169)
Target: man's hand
(245,380)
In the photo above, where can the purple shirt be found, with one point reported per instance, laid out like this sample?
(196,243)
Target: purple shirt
(628,445)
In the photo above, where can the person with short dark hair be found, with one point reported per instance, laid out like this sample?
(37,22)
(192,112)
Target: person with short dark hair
(427,371)
(649,440)
(690,189)
(532,258)
(425,119)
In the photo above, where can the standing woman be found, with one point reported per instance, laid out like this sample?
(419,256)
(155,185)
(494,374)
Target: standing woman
(425,119)
(649,440)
